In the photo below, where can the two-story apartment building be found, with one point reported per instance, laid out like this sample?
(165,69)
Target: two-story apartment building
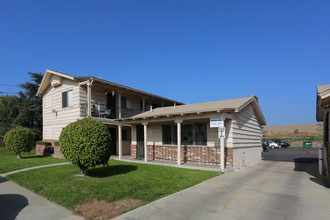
(67,98)
(154,128)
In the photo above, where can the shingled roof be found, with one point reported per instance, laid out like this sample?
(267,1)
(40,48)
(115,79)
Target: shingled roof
(233,105)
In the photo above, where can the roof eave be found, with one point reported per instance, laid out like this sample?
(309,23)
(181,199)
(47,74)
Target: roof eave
(42,88)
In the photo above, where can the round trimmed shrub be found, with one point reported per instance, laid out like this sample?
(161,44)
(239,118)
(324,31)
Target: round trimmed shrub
(86,143)
(19,140)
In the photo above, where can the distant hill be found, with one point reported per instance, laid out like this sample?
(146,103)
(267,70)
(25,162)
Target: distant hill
(293,130)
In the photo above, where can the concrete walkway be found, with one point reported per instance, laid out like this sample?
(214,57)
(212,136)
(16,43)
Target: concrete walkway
(33,168)
(18,203)
(269,190)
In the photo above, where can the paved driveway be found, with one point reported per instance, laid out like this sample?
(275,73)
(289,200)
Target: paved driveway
(268,190)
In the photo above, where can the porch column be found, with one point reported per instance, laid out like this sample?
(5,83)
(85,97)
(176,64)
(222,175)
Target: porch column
(120,141)
(89,98)
(145,141)
(119,105)
(222,153)
(178,124)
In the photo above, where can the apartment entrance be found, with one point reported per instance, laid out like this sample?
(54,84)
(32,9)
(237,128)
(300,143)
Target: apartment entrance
(111,104)
(140,142)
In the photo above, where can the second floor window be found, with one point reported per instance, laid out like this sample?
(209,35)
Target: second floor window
(126,103)
(67,99)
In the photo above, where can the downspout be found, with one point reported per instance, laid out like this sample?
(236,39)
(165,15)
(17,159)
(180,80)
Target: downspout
(89,97)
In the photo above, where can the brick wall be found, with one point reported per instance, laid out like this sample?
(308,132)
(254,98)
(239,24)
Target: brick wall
(229,157)
(40,149)
(133,151)
(200,154)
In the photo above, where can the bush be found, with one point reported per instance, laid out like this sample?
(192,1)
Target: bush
(49,150)
(56,143)
(86,143)
(19,140)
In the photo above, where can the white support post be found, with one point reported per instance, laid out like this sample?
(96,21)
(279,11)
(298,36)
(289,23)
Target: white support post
(178,124)
(222,154)
(89,98)
(120,141)
(119,105)
(145,141)
(320,159)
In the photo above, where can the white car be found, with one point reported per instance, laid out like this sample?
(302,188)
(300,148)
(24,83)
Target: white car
(273,144)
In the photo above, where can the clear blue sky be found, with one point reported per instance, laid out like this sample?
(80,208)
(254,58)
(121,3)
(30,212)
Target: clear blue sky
(191,51)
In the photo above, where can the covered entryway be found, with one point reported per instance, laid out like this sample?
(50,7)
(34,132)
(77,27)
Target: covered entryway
(140,142)
(113,147)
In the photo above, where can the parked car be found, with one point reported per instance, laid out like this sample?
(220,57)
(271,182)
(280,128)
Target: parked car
(282,143)
(265,145)
(273,144)
(285,144)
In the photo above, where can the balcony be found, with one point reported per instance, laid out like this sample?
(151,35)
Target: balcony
(100,110)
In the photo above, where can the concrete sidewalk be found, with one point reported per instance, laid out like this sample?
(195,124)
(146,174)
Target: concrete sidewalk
(33,168)
(18,203)
(269,190)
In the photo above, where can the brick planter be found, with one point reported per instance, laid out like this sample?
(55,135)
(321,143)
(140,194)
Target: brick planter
(40,149)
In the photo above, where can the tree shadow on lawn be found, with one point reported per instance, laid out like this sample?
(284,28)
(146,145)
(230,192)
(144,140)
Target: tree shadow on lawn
(102,172)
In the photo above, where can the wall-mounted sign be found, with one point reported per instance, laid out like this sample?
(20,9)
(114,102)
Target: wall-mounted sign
(222,132)
(216,122)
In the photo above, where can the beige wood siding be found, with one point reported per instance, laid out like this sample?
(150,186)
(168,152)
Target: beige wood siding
(247,131)
(54,122)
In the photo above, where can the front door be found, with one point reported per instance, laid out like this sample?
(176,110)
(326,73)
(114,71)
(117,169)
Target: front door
(140,142)
(111,104)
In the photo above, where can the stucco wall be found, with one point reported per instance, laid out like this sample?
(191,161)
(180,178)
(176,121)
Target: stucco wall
(53,122)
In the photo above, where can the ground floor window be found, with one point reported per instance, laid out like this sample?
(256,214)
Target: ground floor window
(191,134)
(126,134)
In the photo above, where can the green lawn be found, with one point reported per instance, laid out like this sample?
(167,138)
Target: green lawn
(9,162)
(120,180)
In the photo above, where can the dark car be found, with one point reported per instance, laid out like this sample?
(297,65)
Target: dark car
(281,143)
(285,144)
(265,145)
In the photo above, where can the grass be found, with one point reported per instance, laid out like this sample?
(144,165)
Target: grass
(119,180)
(9,162)
(293,138)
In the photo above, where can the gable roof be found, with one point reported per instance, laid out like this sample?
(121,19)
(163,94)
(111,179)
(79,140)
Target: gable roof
(45,83)
(322,99)
(234,105)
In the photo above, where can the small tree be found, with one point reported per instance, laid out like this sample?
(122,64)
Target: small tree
(19,140)
(86,143)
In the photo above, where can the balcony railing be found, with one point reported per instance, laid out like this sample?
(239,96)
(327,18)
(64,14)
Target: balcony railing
(100,110)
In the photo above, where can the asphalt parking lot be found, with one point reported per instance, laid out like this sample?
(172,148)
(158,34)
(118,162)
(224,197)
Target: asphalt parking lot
(292,154)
